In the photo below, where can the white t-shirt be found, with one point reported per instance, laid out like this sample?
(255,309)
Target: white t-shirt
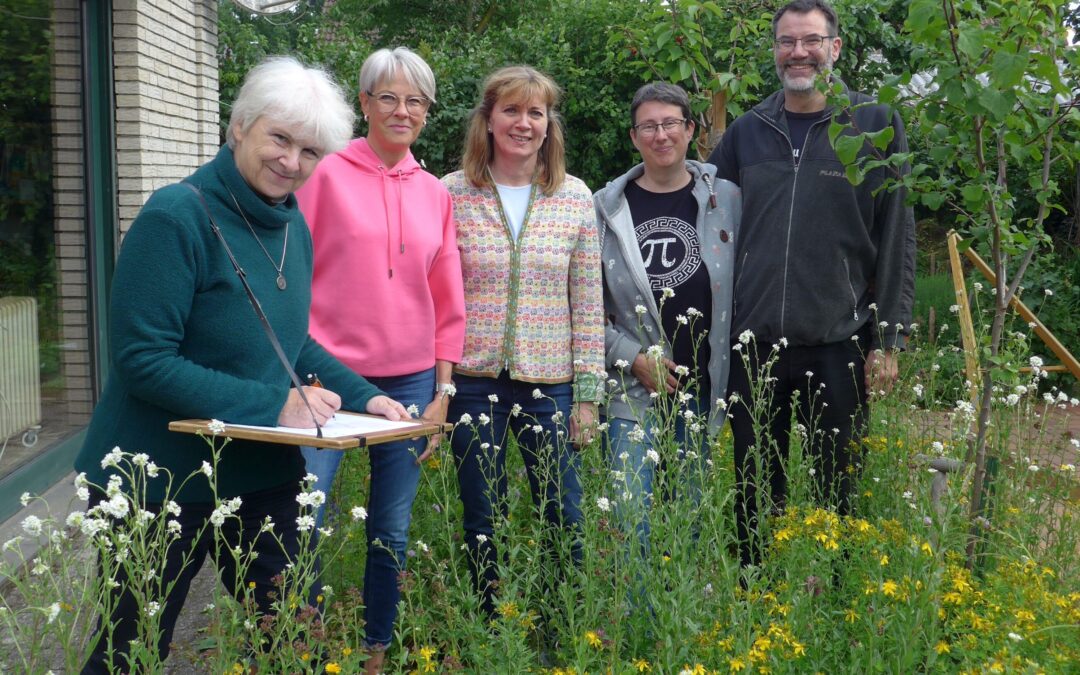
(515,202)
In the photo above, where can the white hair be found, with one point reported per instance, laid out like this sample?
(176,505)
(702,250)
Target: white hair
(384,64)
(304,98)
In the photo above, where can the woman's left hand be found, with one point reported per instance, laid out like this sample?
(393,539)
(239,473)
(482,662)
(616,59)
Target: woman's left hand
(434,412)
(388,408)
(583,420)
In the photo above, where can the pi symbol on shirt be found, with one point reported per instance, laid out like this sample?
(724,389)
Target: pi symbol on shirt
(663,243)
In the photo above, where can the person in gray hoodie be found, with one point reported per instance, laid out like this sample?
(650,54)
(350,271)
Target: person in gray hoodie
(667,234)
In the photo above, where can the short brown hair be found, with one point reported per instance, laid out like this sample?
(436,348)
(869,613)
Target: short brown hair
(518,83)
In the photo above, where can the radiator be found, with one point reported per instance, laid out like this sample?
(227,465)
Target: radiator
(20,377)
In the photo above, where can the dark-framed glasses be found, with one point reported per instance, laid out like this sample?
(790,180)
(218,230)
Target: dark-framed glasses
(650,128)
(810,43)
(388,102)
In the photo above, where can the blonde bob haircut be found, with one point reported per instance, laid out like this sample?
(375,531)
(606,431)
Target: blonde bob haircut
(519,84)
(306,99)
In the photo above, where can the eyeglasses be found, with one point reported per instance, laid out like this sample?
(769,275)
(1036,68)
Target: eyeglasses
(648,129)
(809,42)
(388,102)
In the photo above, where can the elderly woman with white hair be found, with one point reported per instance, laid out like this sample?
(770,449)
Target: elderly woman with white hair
(186,342)
(387,300)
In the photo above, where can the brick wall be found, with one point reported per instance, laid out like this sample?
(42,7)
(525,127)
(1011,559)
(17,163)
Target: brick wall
(75,402)
(165,58)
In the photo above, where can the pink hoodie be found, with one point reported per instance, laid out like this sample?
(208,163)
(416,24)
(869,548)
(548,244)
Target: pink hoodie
(386,291)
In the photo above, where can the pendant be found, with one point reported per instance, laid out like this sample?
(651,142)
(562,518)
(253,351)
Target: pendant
(281,281)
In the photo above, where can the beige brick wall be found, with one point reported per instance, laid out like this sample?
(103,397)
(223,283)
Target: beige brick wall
(73,405)
(165,58)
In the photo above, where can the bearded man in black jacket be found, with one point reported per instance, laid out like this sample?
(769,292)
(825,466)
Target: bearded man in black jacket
(824,278)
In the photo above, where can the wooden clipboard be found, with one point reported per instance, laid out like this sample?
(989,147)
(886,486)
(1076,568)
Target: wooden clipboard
(415,430)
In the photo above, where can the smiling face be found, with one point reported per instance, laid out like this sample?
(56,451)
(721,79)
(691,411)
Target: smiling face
(392,131)
(799,67)
(274,158)
(661,149)
(518,129)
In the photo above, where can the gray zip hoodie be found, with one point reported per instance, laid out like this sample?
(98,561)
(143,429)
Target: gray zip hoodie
(626,286)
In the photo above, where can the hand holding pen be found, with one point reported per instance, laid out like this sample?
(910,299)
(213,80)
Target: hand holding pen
(324,403)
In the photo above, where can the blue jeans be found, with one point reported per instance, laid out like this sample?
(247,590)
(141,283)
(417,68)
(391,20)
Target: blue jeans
(480,452)
(394,480)
(635,474)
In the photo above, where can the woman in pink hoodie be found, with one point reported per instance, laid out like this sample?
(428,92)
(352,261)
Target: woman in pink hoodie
(387,300)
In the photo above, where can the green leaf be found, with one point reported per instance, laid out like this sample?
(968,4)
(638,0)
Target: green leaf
(998,104)
(685,70)
(882,138)
(974,195)
(933,200)
(1008,69)
(847,148)
(855,175)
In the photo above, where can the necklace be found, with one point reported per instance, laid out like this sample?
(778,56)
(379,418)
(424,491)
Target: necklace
(277,266)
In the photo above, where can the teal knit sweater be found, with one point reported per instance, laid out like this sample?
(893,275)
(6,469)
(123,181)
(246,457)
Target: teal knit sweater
(186,343)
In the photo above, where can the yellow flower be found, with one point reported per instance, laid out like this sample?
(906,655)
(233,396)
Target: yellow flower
(238,668)
(508,609)
(884,560)
(305,656)
(942,647)
(927,548)
(593,639)
(736,664)
(783,535)
(346,651)
(333,668)
(251,584)
(642,666)
(890,588)
(433,462)
(850,616)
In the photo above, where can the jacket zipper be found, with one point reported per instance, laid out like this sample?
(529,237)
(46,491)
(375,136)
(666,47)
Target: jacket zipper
(851,287)
(791,206)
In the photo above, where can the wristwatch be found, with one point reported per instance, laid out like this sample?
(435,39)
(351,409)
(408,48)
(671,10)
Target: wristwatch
(443,389)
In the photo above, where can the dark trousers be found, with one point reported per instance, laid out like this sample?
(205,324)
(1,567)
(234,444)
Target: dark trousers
(551,464)
(831,406)
(243,530)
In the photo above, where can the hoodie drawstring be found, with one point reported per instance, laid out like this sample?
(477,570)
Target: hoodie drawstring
(386,214)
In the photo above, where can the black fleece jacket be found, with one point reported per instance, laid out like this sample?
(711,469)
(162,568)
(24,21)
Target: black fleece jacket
(816,254)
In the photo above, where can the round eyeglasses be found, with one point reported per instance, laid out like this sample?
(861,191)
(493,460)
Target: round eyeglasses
(388,102)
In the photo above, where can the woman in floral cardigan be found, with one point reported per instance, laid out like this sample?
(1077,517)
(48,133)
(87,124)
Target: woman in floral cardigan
(534,336)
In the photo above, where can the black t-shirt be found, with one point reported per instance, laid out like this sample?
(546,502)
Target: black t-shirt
(798,126)
(664,223)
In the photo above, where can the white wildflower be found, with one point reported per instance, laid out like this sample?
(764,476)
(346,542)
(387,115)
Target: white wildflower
(358,513)
(640,309)
(494,398)
(746,336)
(466,418)
(483,419)
(315,498)
(216,427)
(207,469)
(603,503)
(54,611)
(537,393)
(32,525)
(305,523)
(112,458)
(653,456)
